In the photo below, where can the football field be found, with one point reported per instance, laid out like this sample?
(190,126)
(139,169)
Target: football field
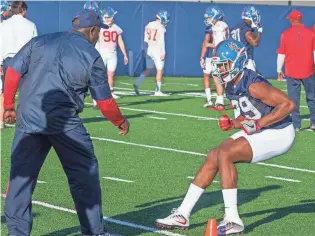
(145,174)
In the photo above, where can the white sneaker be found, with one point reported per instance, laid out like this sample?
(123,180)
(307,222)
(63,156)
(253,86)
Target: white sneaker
(115,96)
(174,221)
(208,104)
(160,94)
(227,227)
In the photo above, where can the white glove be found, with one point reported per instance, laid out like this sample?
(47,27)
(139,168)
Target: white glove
(260,29)
(250,126)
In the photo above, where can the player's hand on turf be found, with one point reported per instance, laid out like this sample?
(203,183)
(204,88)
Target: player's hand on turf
(225,123)
(126,60)
(9,116)
(280,75)
(202,62)
(124,128)
(162,57)
(250,126)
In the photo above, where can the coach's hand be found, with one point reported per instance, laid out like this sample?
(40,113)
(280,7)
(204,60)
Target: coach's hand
(250,126)
(280,75)
(9,116)
(225,123)
(124,128)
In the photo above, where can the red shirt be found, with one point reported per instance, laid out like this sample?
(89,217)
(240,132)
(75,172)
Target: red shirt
(298,44)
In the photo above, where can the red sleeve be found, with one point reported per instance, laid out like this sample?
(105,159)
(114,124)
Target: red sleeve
(281,49)
(314,39)
(111,111)
(11,84)
(314,27)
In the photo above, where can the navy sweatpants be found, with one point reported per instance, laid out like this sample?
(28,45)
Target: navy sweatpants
(76,153)
(294,92)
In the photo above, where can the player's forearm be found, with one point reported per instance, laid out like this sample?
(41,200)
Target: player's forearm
(256,41)
(203,50)
(278,113)
(280,62)
(122,48)
(111,111)
(11,84)
(210,45)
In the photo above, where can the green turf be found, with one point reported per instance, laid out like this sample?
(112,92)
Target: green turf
(267,206)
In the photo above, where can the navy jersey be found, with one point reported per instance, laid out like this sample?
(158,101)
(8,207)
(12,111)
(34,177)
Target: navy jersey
(57,71)
(209,52)
(238,33)
(248,106)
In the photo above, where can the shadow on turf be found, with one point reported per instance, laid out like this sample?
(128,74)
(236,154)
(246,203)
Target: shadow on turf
(149,212)
(102,119)
(158,100)
(279,213)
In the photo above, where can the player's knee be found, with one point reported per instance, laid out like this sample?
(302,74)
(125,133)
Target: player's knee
(224,154)
(211,160)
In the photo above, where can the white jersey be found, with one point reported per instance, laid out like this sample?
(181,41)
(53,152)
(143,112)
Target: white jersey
(108,39)
(220,32)
(154,37)
(15,33)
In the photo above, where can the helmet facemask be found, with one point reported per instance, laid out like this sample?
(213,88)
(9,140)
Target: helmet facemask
(226,70)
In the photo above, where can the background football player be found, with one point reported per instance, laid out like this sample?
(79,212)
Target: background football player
(217,30)
(244,32)
(154,38)
(108,43)
(267,132)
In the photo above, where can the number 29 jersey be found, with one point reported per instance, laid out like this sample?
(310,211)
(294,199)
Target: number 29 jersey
(248,106)
(108,39)
(154,36)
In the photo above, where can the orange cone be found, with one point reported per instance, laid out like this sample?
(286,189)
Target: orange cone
(211,229)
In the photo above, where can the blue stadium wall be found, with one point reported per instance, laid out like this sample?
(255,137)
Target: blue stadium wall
(184,34)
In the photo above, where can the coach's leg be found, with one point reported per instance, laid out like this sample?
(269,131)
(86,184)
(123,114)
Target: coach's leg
(309,86)
(76,153)
(294,92)
(27,157)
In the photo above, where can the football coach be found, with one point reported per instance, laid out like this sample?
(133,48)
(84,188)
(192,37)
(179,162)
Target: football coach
(54,73)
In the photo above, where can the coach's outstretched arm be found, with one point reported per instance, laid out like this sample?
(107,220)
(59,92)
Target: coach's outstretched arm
(101,93)
(12,78)
(273,97)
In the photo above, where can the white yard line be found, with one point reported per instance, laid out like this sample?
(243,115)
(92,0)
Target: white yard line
(117,179)
(157,118)
(115,221)
(192,177)
(284,179)
(41,182)
(195,153)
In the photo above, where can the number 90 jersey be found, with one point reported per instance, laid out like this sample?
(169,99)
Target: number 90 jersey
(108,39)
(248,106)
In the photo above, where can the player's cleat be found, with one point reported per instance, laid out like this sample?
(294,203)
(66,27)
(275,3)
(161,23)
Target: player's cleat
(160,94)
(174,221)
(312,127)
(136,88)
(208,104)
(228,227)
(218,107)
(115,96)
(282,80)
